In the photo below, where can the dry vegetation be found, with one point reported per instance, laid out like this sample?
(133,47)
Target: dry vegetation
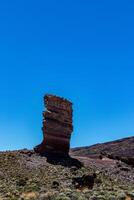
(26,175)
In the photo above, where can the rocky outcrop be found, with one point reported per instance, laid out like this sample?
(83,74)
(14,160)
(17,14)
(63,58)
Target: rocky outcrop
(57,126)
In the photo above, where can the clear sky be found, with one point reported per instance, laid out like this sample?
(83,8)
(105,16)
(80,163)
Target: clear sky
(81,50)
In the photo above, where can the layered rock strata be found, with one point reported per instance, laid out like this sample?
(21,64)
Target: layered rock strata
(57,126)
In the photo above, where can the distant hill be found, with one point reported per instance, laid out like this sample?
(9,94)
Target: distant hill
(122,149)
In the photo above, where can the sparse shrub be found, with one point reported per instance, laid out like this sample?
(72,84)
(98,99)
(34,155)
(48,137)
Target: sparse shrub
(121,195)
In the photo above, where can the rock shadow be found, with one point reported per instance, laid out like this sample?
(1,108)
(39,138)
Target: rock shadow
(65,161)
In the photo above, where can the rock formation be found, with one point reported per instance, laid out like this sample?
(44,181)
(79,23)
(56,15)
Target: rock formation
(57,126)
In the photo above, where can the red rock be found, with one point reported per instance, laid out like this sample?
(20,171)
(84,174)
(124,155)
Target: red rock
(57,126)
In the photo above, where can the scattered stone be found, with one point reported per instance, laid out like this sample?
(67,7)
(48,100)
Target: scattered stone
(21,182)
(73,169)
(126,169)
(55,184)
(84,181)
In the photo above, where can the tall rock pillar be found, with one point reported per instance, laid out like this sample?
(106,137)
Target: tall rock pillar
(57,126)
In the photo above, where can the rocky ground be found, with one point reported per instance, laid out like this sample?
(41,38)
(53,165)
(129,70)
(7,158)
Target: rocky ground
(122,149)
(27,175)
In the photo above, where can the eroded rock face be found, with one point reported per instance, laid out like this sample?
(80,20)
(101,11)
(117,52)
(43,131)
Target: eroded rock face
(57,126)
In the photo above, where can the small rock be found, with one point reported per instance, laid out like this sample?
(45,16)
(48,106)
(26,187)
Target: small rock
(2,176)
(84,181)
(55,184)
(126,169)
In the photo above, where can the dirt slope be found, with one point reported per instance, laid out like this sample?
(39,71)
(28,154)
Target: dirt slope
(122,149)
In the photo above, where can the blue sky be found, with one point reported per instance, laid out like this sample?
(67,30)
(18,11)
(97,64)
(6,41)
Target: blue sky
(81,50)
